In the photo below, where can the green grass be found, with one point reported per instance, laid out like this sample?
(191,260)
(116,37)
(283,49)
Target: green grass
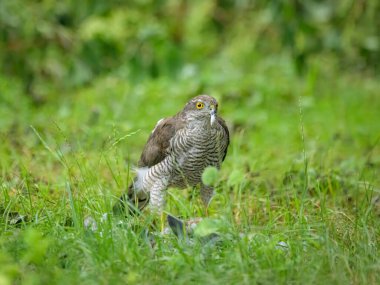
(302,169)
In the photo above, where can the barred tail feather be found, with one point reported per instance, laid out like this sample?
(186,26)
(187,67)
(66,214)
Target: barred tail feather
(131,203)
(135,199)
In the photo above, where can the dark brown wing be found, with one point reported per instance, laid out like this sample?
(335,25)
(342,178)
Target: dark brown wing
(156,148)
(223,124)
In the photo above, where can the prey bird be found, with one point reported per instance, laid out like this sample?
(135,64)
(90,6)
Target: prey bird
(176,154)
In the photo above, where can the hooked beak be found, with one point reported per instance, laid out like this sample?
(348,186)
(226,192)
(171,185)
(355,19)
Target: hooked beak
(213,114)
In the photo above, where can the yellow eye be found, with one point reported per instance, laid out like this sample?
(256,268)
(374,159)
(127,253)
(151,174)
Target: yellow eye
(200,105)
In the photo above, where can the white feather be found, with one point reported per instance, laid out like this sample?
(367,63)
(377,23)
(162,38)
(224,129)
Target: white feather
(141,172)
(212,121)
(159,121)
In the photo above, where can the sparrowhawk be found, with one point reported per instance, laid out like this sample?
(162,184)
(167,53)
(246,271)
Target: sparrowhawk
(176,154)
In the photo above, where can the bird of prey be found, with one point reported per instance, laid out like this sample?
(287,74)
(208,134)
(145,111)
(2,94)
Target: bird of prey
(176,154)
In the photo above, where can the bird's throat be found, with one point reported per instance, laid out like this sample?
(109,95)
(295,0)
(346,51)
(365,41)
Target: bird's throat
(212,119)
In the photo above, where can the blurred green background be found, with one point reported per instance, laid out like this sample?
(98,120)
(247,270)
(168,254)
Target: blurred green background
(82,84)
(51,47)
(97,70)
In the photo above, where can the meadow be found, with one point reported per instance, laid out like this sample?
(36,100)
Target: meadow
(297,198)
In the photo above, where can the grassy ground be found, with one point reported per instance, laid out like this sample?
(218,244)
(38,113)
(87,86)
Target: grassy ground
(298,197)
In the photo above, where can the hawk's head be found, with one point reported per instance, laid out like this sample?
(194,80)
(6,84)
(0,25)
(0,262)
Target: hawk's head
(201,108)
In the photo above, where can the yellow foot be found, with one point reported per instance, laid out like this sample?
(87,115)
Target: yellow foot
(162,222)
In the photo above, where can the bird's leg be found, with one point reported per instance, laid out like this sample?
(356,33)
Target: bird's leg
(162,222)
(157,201)
(206,194)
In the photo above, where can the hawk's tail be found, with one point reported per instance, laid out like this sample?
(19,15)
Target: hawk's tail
(131,202)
